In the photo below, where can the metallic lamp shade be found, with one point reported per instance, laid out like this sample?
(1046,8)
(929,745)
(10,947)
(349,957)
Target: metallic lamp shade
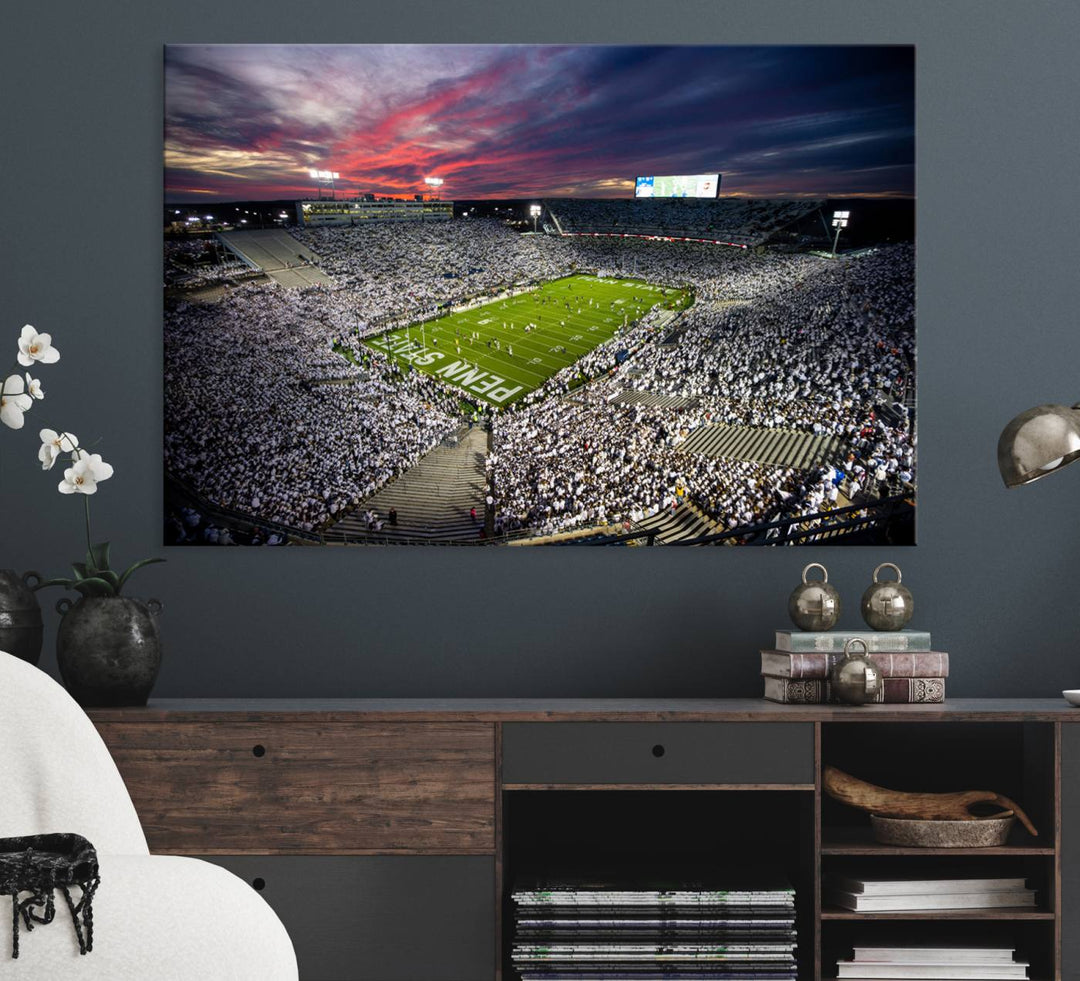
(1038,442)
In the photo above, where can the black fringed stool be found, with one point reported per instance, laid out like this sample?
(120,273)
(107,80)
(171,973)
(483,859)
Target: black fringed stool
(41,864)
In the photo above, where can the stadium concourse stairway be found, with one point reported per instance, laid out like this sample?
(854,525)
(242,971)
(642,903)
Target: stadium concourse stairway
(633,397)
(771,447)
(432,500)
(277,254)
(682,524)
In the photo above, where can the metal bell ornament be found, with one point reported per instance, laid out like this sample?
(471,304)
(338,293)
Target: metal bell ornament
(887,605)
(814,605)
(855,679)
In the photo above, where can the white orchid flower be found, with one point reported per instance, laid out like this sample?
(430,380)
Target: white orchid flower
(33,387)
(36,347)
(14,401)
(53,444)
(85,474)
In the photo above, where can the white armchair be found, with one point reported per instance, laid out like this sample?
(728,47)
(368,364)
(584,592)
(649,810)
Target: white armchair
(156,918)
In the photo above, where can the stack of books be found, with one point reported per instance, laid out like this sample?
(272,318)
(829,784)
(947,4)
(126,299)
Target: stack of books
(895,894)
(581,931)
(796,671)
(938,963)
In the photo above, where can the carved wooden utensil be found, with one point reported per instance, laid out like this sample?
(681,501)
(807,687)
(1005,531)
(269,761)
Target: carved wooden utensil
(901,804)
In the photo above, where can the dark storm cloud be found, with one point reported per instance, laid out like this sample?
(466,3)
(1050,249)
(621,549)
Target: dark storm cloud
(494,121)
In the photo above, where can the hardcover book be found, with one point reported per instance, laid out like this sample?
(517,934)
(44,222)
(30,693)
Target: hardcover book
(895,691)
(968,971)
(935,955)
(892,664)
(922,887)
(833,641)
(979,900)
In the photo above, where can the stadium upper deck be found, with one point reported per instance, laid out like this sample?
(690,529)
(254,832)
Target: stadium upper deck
(363,212)
(738,221)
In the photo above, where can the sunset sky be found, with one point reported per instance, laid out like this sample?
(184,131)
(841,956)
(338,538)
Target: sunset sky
(247,122)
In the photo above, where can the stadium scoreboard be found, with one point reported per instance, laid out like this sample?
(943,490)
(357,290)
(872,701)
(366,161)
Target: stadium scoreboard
(680,186)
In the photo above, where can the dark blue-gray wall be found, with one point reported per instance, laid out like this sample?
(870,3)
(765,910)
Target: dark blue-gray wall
(996,575)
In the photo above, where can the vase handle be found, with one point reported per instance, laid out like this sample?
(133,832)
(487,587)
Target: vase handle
(27,576)
(155,607)
(64,604)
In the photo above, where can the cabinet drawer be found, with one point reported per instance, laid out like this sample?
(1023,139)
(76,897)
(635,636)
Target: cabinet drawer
(230,788)
(381,918)
(696,753)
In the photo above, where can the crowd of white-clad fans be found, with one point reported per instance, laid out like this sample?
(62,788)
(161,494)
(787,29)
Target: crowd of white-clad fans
(264,417)
(817,348)
(200,262)
(560,466)
(402,271)
(185,525)
(250,426)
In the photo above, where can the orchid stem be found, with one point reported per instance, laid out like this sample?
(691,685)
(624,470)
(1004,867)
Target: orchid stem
(89,547)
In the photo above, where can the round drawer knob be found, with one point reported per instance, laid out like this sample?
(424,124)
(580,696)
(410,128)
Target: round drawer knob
(258,884)
(258,750)
(658,751)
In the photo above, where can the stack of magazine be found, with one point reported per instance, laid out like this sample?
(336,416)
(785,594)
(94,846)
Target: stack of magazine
(938,963)
(906,893)
(601,931)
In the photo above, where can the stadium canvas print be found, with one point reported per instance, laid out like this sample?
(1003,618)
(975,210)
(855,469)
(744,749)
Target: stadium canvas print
(508,295)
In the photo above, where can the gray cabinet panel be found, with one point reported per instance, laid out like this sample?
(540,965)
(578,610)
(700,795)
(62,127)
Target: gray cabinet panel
(384,917)
(658,752)
(1070,852)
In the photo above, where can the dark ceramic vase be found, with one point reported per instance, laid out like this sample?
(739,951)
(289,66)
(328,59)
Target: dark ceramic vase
(21,628)
(108,649)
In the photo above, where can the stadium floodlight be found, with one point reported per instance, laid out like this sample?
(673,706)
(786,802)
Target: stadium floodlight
(839,222)
(535,211)
(322,178)
(434,181)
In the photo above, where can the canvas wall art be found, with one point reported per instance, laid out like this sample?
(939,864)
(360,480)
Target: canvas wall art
(509,295)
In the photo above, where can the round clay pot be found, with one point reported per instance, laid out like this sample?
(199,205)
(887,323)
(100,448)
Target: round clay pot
(21,628)
(108,649)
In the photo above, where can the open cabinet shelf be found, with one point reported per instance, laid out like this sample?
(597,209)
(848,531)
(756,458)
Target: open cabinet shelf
(1003,913)
(1018,759)
(860,841)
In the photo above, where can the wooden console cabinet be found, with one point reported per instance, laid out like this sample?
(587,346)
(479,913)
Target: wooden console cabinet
(387,833)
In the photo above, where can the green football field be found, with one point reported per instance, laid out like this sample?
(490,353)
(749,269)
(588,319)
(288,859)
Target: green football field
(503,350)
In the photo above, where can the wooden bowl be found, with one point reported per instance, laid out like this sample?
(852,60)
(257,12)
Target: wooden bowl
(913,832)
